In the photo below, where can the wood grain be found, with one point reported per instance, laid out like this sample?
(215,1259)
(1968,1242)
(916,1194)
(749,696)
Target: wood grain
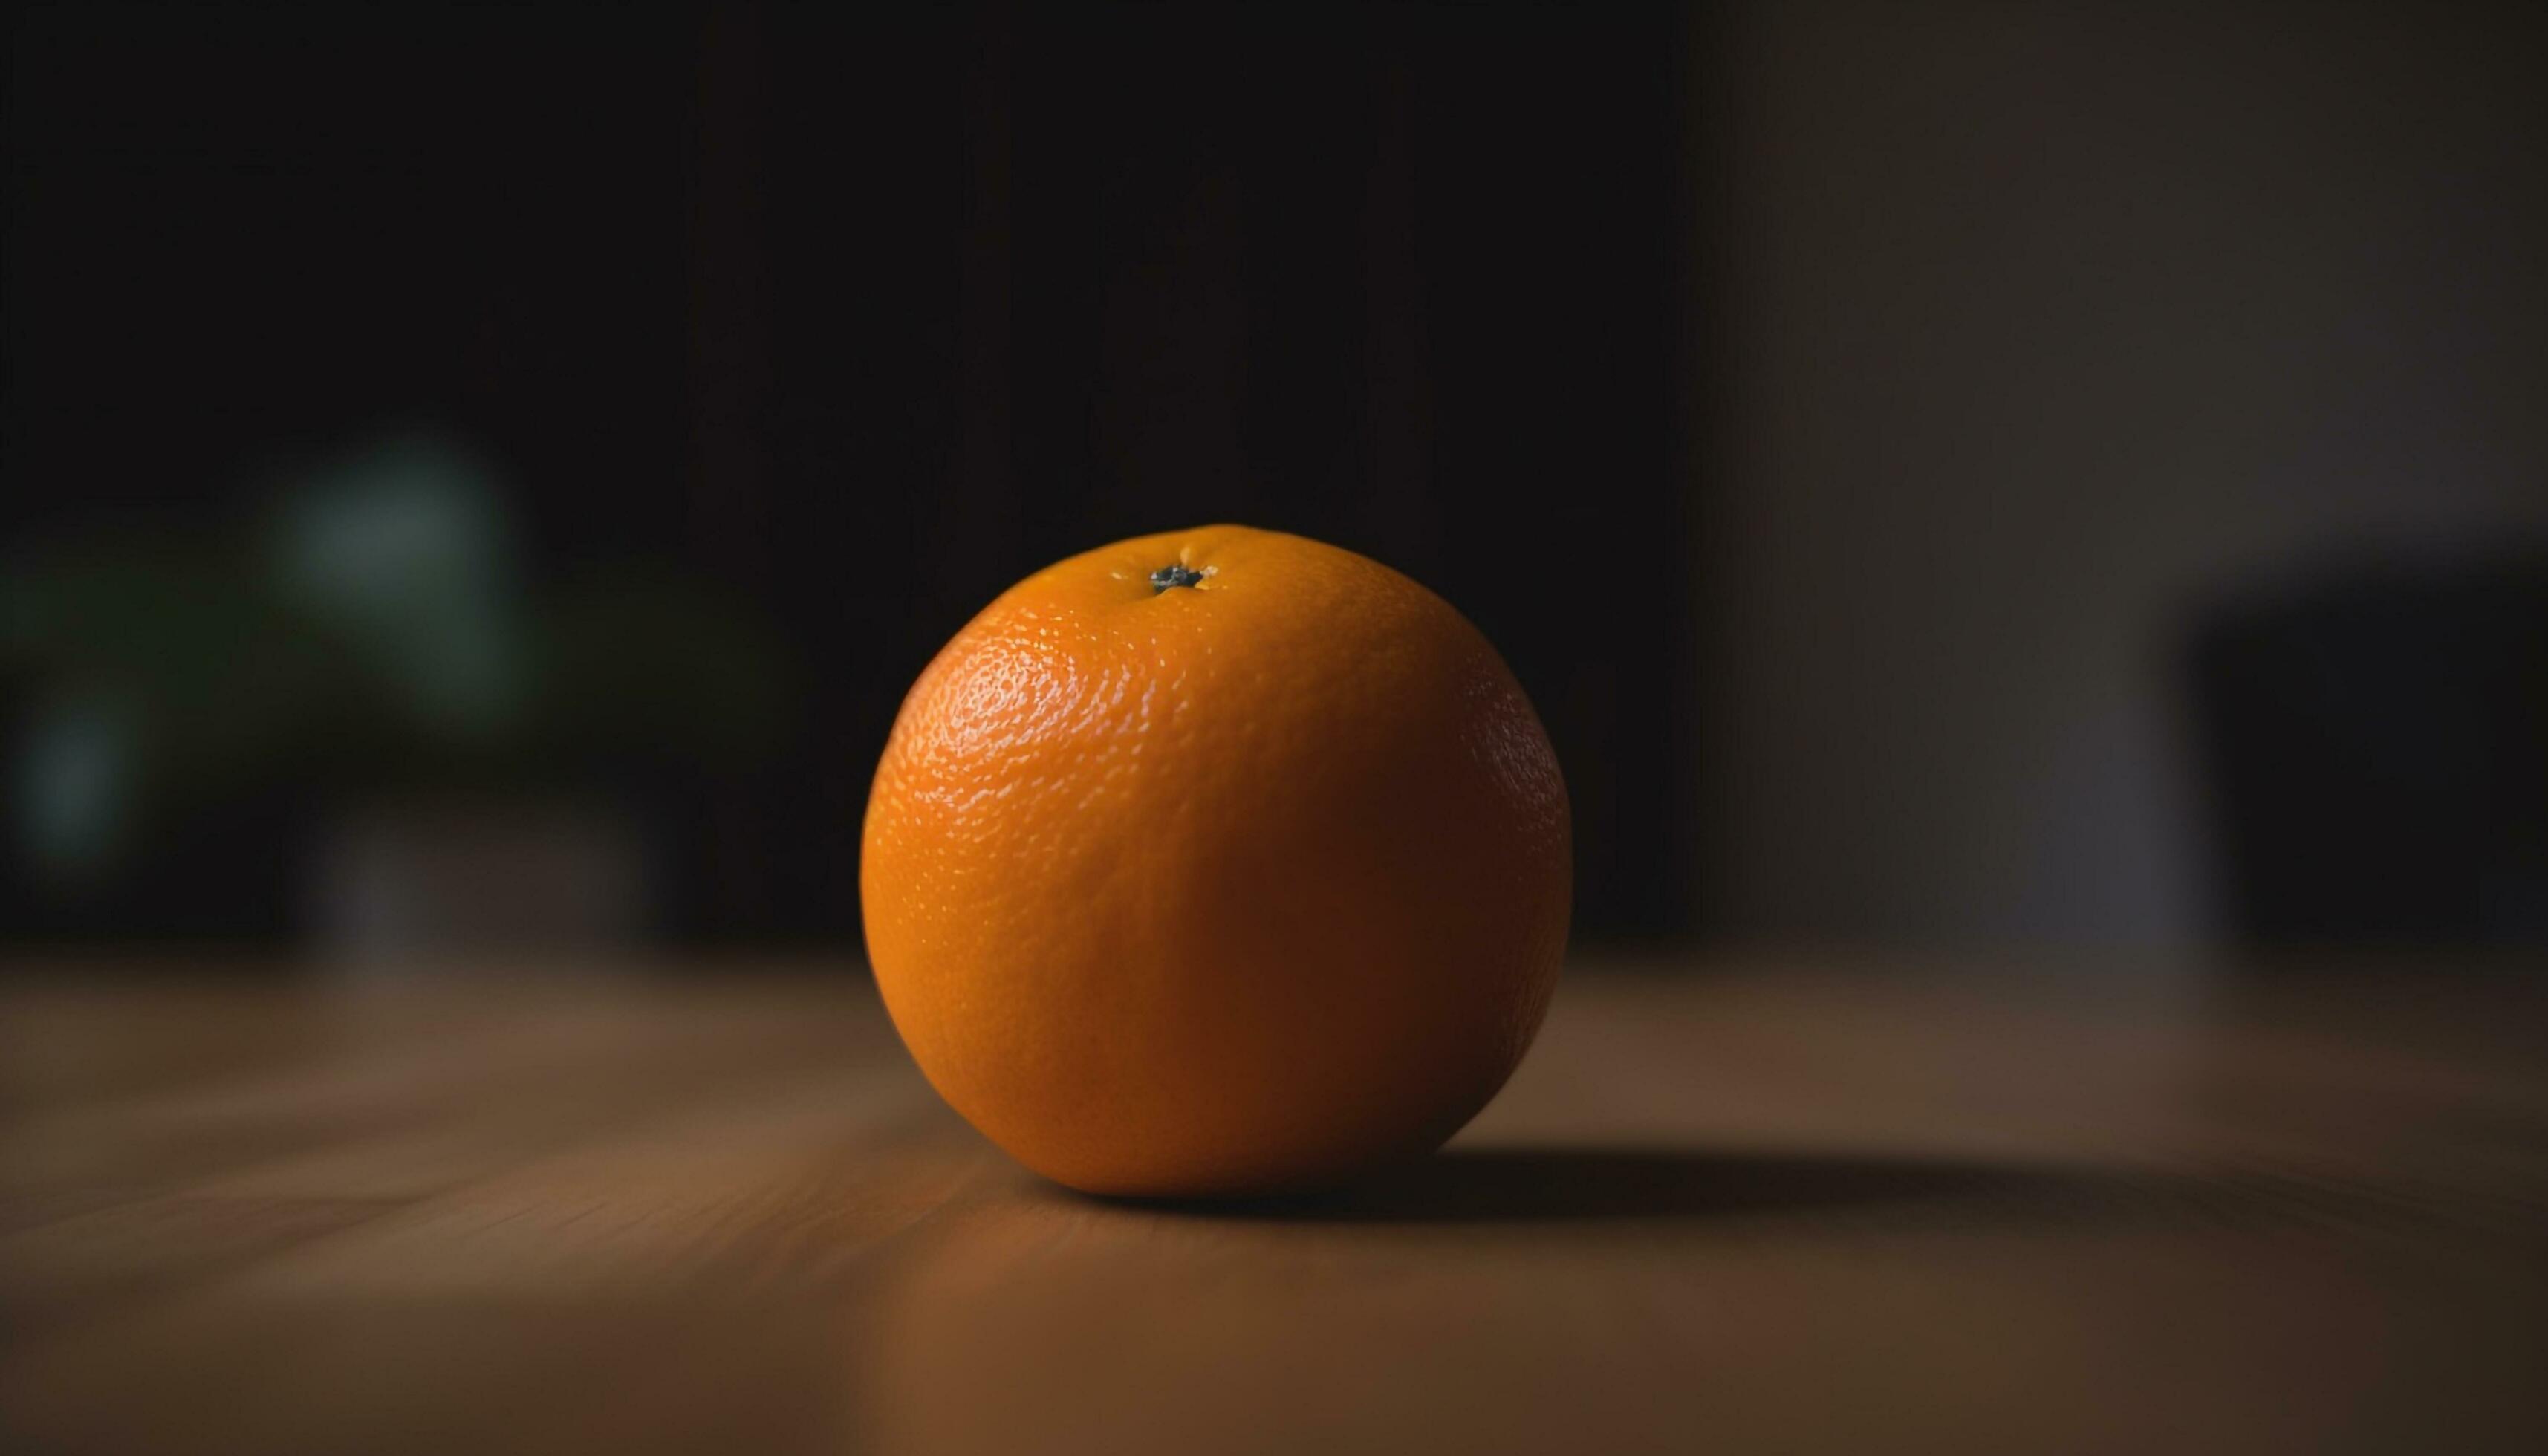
(1756,1206)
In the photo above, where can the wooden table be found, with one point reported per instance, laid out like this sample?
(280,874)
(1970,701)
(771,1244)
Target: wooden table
(1754,1206)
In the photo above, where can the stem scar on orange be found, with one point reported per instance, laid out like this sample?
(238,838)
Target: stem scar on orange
(1216,862)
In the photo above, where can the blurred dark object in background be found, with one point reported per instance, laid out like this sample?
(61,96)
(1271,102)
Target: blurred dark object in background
(369,654)
(2378,747)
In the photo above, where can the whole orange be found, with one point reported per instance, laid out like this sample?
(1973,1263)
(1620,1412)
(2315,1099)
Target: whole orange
(1216,862)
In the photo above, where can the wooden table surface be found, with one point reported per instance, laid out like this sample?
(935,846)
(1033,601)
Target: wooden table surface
(1755,1206)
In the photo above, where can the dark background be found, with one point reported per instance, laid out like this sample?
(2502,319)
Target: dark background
(1945,474)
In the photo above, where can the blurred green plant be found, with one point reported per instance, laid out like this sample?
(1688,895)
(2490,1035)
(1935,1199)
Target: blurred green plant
(374,634)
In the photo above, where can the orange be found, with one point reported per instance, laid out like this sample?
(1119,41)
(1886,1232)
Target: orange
(1216,862)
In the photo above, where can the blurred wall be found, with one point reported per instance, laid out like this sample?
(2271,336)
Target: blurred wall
(2032,331)
(856,315)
